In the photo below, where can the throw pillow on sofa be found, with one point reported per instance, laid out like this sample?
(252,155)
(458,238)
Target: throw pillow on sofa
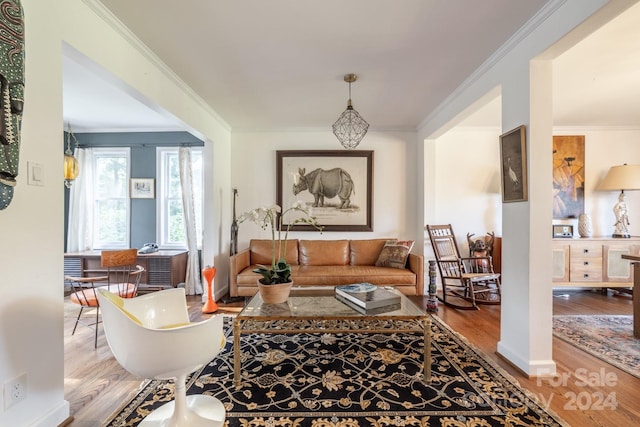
(395,253)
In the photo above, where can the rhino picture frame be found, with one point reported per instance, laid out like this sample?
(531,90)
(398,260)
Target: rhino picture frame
(347,206)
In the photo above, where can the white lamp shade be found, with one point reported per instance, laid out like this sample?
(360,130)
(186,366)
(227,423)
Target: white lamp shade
(623,177)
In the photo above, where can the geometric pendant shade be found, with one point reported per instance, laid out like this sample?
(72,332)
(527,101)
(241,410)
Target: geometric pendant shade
(350,127)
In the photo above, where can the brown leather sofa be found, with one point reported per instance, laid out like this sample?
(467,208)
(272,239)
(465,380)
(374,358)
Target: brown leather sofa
(326,263)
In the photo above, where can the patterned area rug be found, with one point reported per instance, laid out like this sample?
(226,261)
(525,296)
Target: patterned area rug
(609,338)
(355,380)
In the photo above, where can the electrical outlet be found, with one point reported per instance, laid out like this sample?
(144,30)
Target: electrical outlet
(15,390)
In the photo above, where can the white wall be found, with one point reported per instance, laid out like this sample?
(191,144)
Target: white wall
(31,306)
(31,289)
(467,183)
(395,197)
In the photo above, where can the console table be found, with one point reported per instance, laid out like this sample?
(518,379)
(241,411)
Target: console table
(594,262)
(163,269)
(636,293)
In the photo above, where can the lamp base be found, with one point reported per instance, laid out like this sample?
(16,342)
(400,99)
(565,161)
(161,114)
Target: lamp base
(620,236)
(210,306)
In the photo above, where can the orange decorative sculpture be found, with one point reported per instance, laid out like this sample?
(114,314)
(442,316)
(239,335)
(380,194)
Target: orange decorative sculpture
(210,306)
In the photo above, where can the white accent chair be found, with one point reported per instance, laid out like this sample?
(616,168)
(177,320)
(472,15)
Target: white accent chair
(151,337)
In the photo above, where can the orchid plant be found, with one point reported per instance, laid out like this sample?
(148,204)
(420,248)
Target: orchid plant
(272,218)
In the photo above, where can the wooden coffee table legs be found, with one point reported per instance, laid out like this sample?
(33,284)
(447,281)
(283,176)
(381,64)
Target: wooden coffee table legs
(236,352)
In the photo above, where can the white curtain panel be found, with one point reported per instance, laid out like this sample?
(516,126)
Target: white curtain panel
(193,285)
(80,229)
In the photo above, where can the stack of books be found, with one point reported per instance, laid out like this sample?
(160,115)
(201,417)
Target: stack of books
(367,298)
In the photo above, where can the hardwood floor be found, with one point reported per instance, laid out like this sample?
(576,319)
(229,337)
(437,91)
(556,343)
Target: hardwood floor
(565,393)
(96,386)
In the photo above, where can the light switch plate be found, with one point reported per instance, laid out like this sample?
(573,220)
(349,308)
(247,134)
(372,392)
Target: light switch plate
(35,174)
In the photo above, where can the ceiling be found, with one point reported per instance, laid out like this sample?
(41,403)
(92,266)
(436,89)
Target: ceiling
(280,64)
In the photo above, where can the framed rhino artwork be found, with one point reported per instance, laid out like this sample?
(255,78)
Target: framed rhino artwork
(335,186)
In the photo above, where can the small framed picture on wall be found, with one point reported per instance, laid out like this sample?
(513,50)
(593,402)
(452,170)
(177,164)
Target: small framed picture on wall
(142,188)
(513,165)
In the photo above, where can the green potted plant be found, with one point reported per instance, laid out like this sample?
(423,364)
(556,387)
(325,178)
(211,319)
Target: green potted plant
(279,272)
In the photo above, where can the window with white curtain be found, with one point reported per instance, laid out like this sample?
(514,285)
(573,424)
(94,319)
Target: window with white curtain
(170,220)
(111,197)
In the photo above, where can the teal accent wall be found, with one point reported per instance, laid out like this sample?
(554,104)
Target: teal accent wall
(143,165)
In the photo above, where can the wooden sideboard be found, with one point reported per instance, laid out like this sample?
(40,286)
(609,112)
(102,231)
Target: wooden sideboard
(593,262)
(163,269)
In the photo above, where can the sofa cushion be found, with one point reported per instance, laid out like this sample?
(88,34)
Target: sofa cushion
(313,275)
(261,251)
(324,252)
(365,252)
(328,275)
(395,253)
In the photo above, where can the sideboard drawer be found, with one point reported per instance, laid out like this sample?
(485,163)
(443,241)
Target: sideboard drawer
(580,251)
(586,270)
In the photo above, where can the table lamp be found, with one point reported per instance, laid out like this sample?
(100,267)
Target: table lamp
(623,177)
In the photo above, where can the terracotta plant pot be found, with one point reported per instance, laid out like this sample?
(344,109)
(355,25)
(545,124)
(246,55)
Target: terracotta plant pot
(275,294)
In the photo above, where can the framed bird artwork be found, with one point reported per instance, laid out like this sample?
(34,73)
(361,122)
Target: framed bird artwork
(513,165)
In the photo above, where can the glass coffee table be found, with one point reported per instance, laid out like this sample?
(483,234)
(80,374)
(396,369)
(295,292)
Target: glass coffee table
(316,310)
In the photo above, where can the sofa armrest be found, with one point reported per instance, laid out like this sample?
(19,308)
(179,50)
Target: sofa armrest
(237,263)
(416,265)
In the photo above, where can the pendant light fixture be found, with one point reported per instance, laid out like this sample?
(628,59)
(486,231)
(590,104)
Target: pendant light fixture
(350,127)
(71,168)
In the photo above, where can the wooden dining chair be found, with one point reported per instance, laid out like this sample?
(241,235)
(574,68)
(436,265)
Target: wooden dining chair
(468,280)
(121,277)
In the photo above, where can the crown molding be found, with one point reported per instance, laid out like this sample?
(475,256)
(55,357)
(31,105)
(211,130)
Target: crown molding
(534,22)
(110,19)
(596,128)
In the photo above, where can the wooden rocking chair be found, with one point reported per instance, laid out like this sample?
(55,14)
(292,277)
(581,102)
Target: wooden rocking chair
(470,280)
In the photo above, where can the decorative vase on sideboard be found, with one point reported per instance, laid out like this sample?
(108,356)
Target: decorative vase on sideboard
(584,225)
(276,293)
